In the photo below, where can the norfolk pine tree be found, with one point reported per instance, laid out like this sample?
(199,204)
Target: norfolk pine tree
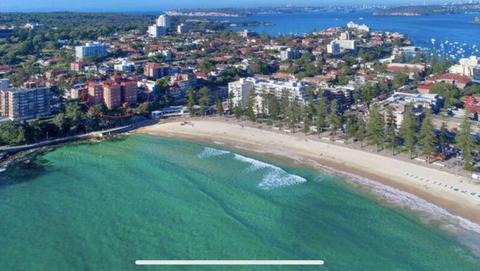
(427,139)
(465,142)
(321,115)
(408,130)
(333,117)
(391,130)
(376,127)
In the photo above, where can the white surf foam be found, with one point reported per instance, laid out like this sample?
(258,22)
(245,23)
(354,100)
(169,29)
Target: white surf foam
(211,152)
(276,176)
(430,211)
(467,231)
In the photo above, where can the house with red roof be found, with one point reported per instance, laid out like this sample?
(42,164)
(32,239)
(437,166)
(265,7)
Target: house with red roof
(472,103)
(405,67)
(424,88)
(458,80)
(4,69)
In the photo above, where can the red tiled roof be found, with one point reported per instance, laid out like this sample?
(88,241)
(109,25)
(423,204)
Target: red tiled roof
(399,67)
(425,86)
(472,103)
(462,79)
(201,75)
(4,68)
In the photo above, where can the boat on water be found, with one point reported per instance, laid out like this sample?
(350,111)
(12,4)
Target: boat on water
(2,169)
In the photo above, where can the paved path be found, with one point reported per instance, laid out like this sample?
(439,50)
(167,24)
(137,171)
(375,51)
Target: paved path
(113,131)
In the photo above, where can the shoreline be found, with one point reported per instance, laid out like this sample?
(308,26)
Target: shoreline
(339,159)
(9,154)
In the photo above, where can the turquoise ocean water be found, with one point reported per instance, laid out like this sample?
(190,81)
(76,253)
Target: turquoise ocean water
(102,206)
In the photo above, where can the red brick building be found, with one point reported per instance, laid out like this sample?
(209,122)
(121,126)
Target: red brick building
(77,66)
(129,92)
(112,94)
(95,92)
(155,71)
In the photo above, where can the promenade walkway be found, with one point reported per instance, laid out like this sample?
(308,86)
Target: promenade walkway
(96,134)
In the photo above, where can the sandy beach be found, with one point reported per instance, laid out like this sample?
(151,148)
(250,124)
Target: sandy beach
(456,194)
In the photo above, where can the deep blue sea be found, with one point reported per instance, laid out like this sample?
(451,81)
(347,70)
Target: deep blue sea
(453,35)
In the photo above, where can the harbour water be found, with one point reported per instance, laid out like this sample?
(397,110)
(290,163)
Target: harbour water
(452,35)
(102,206)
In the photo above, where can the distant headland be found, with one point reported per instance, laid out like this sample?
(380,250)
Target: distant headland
(427,10)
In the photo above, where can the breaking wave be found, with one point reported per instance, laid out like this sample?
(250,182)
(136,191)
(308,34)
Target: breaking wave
(275,177)
(211,152)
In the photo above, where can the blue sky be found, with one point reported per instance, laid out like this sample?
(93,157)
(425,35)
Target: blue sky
(143,5)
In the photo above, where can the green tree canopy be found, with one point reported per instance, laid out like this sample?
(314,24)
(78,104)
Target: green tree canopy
(465,142)
(376,127)
(450,93)
(408,130)
(427,138)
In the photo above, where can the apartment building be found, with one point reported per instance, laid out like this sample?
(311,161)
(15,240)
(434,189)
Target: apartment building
(242,88)
(25,103)
(155,71)
(91,50)
(112,94)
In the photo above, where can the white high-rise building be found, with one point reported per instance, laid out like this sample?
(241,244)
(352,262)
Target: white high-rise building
(160,27)
(290,54)
(346,36)
(333,48)
(156,31)
(347,44)
(467,66)
(91,49)
(182,29)
(242,88)
(163,21)
(24,103)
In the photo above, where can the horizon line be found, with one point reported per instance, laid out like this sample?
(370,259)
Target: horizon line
(159,9)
